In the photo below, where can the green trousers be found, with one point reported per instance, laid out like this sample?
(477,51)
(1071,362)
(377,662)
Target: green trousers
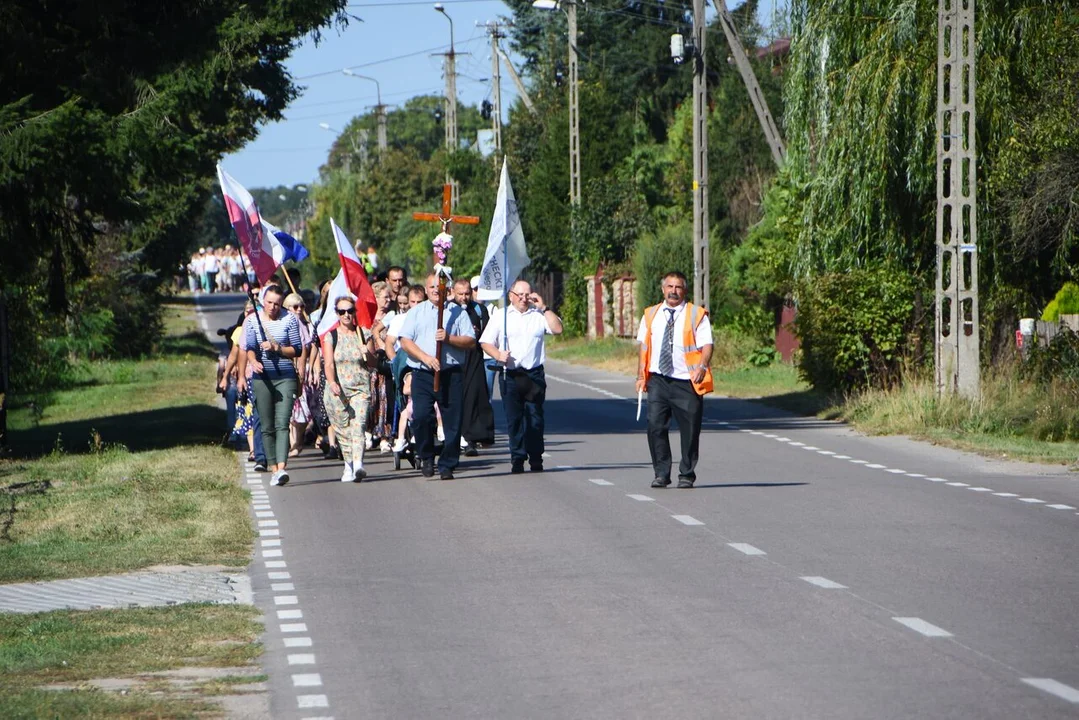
(273,401)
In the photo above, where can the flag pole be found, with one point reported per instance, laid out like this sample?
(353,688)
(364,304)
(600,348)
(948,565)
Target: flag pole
(250,292)
(505,294)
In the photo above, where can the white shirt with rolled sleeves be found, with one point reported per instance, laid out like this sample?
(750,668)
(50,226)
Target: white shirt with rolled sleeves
(525,336)
(702,336)
(394,328)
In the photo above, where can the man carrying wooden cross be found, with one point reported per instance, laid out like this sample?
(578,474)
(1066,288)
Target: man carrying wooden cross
(437,370)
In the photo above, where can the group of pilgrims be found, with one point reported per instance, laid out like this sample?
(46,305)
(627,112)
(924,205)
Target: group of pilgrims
(370,384)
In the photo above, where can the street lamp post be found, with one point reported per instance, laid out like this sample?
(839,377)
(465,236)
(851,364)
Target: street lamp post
(451,106)
(570,8)
(380,109)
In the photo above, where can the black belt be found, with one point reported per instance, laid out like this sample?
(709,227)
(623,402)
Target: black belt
(515,371)
(672,379)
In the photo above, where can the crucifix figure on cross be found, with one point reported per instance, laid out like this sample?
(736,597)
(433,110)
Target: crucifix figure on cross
(445,218)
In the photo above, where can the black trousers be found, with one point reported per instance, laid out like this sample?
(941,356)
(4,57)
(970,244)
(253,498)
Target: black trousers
(667,397)
(523,393)
(424,422)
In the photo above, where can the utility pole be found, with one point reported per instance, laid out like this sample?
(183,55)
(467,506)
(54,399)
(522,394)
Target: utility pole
(494,29)
(517,81)
(574,116)
(451,107)
(701,275)
(760,105)
(958,367)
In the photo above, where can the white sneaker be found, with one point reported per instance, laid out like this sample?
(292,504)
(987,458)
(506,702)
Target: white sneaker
(279,478)
(441,434)
(346,474)
(399,445)
(464,443)
(275,478)
(368,441)
(360,474)
(384,446)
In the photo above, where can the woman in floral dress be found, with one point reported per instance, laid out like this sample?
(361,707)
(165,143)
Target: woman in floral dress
(347,352)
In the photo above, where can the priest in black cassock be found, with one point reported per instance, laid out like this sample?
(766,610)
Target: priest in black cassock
(478,419)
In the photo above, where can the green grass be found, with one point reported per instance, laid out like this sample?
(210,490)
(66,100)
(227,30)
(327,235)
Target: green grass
(71,648)
(117,511)
(1013,419)
(124,471)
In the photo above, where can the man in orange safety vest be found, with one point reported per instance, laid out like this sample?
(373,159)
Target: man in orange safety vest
(673,368)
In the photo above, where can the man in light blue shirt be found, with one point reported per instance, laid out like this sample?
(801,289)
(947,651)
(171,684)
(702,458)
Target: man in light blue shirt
(418,339)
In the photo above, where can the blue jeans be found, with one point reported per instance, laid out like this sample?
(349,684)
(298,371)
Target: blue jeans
(230,406)
(257,447)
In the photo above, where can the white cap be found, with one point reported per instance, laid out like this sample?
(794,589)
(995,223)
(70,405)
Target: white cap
(202,250)
(475,282)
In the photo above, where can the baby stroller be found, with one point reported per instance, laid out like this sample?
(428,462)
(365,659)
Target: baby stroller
(402,382)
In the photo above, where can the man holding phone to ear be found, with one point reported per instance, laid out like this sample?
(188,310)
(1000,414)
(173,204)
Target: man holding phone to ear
(515,339)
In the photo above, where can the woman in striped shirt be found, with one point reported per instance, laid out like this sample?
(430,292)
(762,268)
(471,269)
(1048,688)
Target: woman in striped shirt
(273,342)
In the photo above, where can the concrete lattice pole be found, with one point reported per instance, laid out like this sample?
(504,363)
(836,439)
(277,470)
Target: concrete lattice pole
(701,274)
(958,368)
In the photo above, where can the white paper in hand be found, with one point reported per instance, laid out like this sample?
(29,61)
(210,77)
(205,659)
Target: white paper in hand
(640,397)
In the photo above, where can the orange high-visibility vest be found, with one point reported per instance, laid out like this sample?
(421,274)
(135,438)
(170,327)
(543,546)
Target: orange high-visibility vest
(694,355)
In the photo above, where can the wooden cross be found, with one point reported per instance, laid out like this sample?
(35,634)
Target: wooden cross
(446,217)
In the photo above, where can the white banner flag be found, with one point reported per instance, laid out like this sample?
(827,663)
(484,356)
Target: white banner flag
(506,254)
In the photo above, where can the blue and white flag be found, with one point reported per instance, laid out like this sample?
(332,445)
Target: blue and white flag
(506,254)
(290,247)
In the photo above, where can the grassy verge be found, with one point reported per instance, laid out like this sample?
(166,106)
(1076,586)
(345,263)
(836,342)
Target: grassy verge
(56,664)
(118,473)
(134,478)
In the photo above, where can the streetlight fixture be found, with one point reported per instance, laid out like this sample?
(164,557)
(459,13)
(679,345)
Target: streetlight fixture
(451,105)
(570,8)
(380,109)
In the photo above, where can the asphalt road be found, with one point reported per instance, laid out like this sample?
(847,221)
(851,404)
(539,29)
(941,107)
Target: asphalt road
(812,573)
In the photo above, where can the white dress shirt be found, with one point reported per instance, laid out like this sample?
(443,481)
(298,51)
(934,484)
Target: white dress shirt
(525,336)
(702,336)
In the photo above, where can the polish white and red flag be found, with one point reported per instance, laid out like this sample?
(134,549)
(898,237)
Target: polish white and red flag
(353,278)
(246,221)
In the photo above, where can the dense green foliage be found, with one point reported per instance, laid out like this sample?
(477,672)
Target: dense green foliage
(855,327)
(859,190)
(112,115)
(1066,302)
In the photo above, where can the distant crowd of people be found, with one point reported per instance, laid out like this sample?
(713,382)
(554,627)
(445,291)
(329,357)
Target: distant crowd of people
(224,269)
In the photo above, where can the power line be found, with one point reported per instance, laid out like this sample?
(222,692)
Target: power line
(411,2)
(337,71)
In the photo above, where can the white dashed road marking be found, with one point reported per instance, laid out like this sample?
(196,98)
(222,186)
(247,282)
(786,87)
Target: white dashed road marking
(282,587)
(687,519)
(312,701)
(824,583)
(896,471)
(1060,507)
(1051,686)
(642,498)
(958,484)
(746,549)
(301,659)
(294,627)
(1006,495)
(921,626)
(598,481)
(290,614)
(875,466)
(291,642)
(980,489)
(307,680)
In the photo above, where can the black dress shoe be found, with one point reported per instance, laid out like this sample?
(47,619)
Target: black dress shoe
(535,467)
(445,475)
(685,483)
(517,467)
(427,468)
(470,451)
(660,483)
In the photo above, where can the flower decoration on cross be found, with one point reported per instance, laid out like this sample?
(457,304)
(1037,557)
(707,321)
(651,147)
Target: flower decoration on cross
(442,244)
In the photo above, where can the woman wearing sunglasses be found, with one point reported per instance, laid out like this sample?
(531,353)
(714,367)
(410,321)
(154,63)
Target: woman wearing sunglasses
(347,354)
